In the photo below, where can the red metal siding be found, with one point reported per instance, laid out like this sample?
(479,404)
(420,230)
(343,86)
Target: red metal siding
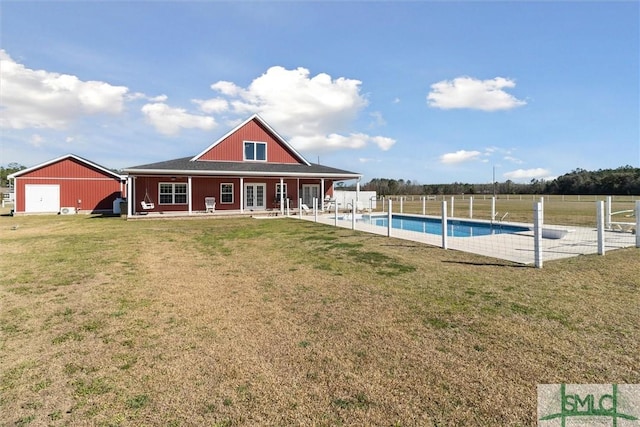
(67,168)
(210,187)
(201,187)
(232,148)
(94,195)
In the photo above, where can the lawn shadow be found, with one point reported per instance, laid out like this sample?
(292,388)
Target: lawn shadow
(489,264)
(103,216)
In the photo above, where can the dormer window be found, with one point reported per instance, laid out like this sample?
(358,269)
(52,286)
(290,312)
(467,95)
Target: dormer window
(255,151)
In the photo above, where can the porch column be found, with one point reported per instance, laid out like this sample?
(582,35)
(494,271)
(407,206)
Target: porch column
(190,195)
(358,190)
(298,193)
(321,194)
(130,195)
(282,196)
(241,195)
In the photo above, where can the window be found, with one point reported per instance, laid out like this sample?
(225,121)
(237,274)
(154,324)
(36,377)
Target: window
(226,193)
(255,151)
(173,193)
(284,195)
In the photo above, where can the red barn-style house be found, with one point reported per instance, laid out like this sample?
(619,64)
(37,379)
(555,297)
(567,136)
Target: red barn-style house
(249,169)
(68,184)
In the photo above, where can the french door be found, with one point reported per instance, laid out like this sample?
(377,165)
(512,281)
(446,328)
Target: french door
(254,196)
(309,191)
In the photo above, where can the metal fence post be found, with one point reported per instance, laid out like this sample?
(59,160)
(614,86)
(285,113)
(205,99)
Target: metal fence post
(335,219)
(607,213)
(353,214)
(493,209)
(637,223)
(600,224)
(537,234)
(401,204)
(444,224)
(424,205)
(389,218)
(471,207)
(315,209)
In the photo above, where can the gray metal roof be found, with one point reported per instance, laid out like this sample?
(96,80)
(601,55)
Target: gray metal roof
(186,166)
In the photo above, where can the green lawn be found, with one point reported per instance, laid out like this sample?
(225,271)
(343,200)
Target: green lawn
(243,322)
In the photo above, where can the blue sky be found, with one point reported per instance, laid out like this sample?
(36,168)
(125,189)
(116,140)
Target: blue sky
(432,92)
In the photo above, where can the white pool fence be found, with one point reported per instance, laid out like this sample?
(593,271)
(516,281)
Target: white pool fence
(573,232)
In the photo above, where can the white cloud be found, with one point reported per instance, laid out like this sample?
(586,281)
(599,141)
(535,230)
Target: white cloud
(215,105)
(467,92)
(378,120)
(139,95)
(383,142)
(159,98)
(337,141)
(43,99)
(226,88)
(36,140)
(368,160)
(331,141)
(459,156)
(513,160)
(314,112)
(527,174)
(169,121)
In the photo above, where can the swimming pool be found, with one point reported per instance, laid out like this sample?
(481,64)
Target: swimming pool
(455,227)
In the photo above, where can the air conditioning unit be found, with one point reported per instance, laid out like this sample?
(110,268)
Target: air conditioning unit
(67,211)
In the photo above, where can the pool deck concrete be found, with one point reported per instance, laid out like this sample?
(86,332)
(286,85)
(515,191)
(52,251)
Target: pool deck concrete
(516,247)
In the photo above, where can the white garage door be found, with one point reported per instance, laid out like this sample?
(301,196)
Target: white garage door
(41,198)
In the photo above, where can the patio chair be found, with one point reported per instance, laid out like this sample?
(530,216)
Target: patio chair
(329,204)
(304,209)
(210,204)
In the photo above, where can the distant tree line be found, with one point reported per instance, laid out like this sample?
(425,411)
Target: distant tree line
(6,171)
(624,180)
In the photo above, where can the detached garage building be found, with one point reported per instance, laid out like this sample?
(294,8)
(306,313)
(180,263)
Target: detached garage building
(68,184)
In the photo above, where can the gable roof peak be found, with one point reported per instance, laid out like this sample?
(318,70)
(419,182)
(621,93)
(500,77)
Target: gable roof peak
(266,125)
(65,157)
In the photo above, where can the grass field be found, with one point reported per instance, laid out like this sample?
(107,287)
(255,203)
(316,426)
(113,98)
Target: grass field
(244,322)
(558,210)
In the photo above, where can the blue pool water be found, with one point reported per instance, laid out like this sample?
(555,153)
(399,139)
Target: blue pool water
(455,228)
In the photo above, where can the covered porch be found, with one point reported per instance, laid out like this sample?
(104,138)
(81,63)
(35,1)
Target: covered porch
(171,195)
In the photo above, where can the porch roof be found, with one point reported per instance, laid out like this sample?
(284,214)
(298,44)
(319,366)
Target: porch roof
(187,166)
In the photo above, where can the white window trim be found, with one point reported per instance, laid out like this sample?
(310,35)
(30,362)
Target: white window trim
(173,193)
(232,193)
(255,144)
